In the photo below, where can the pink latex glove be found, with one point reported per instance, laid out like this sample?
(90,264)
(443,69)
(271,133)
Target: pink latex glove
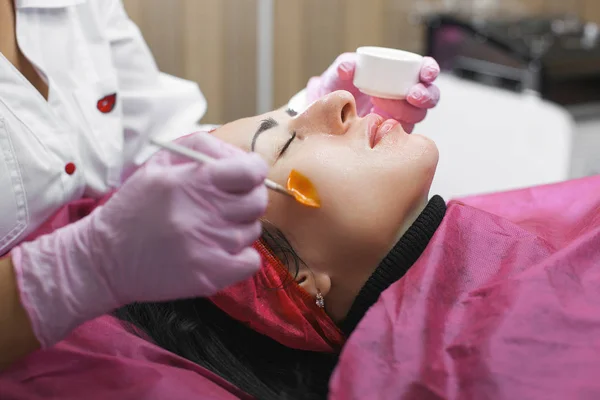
(340,76)
(176,229)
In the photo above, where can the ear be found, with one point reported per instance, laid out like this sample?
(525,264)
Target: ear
(313,281)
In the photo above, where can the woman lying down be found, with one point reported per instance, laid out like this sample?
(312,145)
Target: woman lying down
(382,293)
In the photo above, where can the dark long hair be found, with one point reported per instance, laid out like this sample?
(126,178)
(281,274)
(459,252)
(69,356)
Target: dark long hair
(199,331)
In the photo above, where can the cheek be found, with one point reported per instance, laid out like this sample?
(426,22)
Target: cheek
(376,185)
(357,212)
(365,194)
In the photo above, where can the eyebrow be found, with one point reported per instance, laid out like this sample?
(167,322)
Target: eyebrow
(264,126)
(267,124)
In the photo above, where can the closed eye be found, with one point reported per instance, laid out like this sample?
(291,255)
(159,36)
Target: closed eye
(286,145)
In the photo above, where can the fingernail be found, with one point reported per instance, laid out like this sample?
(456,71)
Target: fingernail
(346,66)
(428,73)
(386,127)
(417,94)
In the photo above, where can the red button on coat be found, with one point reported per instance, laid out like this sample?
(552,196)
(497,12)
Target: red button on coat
(70,168)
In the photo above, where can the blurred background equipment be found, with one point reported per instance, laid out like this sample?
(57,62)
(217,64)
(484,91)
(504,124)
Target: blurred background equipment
(520,104)
(553,56)
(558,57)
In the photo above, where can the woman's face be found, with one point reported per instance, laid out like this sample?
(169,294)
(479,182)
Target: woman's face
(372,178)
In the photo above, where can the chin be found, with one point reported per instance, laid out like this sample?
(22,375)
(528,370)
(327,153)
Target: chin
(428,153)
(423,140)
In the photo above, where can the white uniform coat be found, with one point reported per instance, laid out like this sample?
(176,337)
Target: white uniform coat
(106,98)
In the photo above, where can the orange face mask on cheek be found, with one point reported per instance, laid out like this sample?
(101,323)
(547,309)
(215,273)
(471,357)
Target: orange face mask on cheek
(271,303)
(303,189)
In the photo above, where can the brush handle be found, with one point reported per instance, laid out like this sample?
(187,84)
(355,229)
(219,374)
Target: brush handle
(203,158)
(184,151)
(277,188)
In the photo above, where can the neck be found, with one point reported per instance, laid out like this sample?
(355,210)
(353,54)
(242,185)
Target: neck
(8,46)
(412,216)
(397,262)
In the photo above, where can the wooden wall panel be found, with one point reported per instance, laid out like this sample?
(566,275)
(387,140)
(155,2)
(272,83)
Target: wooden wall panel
(134,10)
(213,42)
(162,30)
(166,33)
(534,6)
(363,26)
(310,34)
(204,56)
(402,28)
(240,58)
(591,10)
(288,53)
(323,34)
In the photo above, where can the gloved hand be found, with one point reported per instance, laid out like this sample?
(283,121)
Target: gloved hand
(176,229)
(412,110)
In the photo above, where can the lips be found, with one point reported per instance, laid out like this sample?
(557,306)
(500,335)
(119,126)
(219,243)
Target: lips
(378,128)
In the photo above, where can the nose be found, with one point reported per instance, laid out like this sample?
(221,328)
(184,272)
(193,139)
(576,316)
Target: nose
(332,114)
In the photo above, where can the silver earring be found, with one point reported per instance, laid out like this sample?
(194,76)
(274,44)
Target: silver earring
(320,300)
